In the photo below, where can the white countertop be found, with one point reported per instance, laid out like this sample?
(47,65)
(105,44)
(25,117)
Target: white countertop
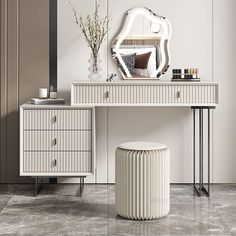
(142,82)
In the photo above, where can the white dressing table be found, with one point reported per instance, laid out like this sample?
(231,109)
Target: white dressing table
(144,93)
(59,140)
(196,95)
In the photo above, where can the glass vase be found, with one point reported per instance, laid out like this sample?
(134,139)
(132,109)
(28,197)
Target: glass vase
(95,67)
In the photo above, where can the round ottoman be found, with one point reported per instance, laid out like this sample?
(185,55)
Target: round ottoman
(142,190)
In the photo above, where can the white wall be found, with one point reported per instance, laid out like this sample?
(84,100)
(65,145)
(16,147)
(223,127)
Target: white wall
(224,57)
(191,46)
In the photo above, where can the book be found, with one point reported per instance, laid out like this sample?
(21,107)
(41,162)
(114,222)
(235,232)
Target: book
(47,101)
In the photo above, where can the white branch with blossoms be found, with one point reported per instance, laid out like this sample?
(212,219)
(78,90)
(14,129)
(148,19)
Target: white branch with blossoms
(93,26)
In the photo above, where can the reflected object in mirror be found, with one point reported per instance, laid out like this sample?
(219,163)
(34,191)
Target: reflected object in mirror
(141,47)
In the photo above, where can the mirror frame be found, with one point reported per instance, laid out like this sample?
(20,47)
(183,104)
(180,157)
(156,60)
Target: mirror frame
(123,32)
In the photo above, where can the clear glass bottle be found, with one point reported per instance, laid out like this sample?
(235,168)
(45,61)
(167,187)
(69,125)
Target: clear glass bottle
(95,67)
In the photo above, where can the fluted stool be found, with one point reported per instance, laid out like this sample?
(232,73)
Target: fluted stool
(142,190)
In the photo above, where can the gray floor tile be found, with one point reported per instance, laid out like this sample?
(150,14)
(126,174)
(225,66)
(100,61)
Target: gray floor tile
(223,198)
(17,189)
(4,200)
(223,194)
(53,215)
(59,211)
(183,219)
(228,214)
(183,194)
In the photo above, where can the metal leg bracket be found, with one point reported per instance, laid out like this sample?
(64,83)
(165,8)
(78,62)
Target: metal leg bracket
(38,185)
(201,188)
(81,186)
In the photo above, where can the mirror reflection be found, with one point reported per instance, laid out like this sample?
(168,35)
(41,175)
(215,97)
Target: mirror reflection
(141,47)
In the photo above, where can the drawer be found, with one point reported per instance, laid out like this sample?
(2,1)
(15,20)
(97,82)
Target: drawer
(57,140)
(57,119)
(57,162)
(90,94)
(198,94)
(145,94)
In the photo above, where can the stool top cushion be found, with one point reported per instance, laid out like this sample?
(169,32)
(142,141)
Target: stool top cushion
(142,146)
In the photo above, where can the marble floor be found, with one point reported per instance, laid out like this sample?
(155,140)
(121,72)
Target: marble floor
(58,211)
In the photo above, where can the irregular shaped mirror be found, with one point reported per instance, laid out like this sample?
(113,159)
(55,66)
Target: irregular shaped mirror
(141,47)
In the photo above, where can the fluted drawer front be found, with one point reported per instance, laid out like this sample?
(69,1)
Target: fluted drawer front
(57,119)
(57,140)
(57,162)
(145,94)
(90,94)
(142,183)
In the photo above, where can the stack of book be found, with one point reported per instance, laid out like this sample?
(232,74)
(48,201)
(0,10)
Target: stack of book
(47,101)
(190,74)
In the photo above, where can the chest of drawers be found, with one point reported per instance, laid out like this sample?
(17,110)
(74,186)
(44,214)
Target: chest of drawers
(56,141)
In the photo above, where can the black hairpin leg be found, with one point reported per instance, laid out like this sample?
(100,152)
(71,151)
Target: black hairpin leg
(199,188)
(205,190)
(38,185)
(81,186)
(194,152)
(209,150)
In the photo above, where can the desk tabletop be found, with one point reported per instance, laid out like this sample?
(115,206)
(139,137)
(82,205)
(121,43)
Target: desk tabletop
(143,82)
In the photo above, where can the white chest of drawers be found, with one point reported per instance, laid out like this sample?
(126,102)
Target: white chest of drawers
(147,93)
(56,141)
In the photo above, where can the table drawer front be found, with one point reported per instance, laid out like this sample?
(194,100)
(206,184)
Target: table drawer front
(90,94)
(198,94)
(57,119)
(66,162)
(57,140)
(144,94)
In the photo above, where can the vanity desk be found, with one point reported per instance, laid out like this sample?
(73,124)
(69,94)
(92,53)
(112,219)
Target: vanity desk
(59,140)
(199,96)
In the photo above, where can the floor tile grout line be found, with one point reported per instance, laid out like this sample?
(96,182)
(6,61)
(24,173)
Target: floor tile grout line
(5,205)
(213,205)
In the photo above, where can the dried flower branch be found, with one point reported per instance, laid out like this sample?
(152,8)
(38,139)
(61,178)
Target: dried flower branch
(94,28)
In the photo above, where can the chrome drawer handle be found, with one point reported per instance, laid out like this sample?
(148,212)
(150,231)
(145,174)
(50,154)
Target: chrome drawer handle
(55,162)
(178,94)
(54,119)
(54,141)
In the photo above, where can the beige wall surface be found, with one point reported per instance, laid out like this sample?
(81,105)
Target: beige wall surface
(172,126)
(203,37)
(224,57)
(24,68)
